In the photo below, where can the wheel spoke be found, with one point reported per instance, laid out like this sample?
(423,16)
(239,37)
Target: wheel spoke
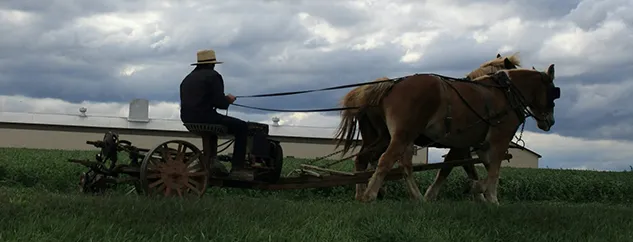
(154,162)
(193,158)
(181,153)
(166,155)
(179,192)
(161,187)
(194,183)
(154,175)
(192,187)
(167,191)
(156,183)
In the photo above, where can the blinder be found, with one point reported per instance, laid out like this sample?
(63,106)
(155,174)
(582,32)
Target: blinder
(553,93)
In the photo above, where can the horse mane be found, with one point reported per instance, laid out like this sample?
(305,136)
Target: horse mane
(494,65)
(514,58)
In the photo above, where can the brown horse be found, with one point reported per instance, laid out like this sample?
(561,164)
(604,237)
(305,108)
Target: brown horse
(372,126)
(426,107)
(442,174)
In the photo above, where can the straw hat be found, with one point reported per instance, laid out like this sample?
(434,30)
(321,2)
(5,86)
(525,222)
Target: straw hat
(207,57)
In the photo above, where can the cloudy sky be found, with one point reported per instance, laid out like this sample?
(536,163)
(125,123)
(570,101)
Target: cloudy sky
(65,54)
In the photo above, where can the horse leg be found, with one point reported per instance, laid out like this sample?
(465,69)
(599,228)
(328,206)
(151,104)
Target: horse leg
(363,162)
(493,156)
(407,164)
(382,192)
(433,190)
(370,150)
(360,164)
(494,168)
(395,150)
(471,172)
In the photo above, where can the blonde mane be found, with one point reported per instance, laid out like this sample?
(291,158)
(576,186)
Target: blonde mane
(494,65)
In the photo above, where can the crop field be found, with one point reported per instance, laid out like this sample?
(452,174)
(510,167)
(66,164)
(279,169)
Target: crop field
(39,201)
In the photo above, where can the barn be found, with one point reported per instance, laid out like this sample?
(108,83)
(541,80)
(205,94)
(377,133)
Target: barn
(70,132)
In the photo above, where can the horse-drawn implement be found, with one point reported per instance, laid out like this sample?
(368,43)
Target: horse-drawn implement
(177,167)
(428,110)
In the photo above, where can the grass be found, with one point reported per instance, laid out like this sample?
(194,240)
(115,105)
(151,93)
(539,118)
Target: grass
(49,170)
(30,215)
(39,202)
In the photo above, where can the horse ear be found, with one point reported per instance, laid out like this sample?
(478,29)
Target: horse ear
(533,68)
(508,64)
(498,55)
(550,71)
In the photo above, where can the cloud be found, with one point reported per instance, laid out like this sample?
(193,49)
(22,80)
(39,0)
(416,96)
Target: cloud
(116,51)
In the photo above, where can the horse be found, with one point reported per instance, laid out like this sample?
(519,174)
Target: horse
(424,107)
(374,141)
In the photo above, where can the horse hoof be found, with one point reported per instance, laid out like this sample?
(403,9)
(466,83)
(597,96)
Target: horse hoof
(367,199)
(479,198)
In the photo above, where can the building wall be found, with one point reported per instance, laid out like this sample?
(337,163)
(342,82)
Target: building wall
(75,139)
(520,159)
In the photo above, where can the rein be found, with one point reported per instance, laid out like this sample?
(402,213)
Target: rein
(317,90)
(395,80)
(309,91)
(296,110)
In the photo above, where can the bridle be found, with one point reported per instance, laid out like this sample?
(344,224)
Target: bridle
(518,101)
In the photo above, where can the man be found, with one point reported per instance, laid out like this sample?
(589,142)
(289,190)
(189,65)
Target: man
(201,93)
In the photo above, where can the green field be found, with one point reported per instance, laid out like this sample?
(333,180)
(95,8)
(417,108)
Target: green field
(39,202)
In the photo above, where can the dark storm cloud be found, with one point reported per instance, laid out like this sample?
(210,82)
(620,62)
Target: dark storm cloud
(533,9)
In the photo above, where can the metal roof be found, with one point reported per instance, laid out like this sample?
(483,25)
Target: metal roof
(153,124)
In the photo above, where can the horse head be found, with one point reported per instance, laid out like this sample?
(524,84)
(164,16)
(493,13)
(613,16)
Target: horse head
(542,94)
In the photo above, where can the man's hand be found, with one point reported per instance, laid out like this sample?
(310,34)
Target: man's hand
(231,98)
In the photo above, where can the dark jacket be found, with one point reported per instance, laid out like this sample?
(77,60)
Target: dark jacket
(201,92)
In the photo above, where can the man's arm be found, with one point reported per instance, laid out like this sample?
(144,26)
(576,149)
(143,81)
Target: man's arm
(217,87)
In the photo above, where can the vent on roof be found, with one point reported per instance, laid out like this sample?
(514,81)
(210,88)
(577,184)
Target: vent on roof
(139,111)
(83,110)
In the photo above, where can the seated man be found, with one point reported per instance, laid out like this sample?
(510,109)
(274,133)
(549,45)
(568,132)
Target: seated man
(201,93)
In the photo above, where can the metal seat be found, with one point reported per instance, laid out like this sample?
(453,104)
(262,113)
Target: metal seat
(209,134)
(202,128)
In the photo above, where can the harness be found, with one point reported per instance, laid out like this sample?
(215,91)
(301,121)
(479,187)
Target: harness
(516,101)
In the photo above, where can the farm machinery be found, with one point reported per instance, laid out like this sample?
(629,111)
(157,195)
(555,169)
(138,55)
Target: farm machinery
(178,167)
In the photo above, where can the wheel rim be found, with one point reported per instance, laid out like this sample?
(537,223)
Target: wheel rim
(170,170)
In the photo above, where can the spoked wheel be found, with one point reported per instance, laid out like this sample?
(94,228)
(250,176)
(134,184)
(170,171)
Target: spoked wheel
(173,168)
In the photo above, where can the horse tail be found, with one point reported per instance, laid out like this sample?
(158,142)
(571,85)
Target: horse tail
(360,98)
(346,130)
